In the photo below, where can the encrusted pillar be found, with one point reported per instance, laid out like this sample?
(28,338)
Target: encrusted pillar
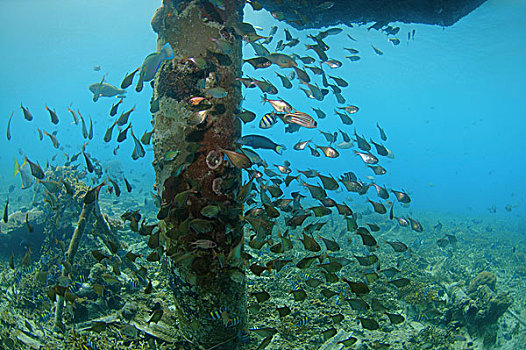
(200,225)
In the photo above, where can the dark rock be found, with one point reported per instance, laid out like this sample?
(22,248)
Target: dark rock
(115,302)
(129,311)
(484,278)
(440,12)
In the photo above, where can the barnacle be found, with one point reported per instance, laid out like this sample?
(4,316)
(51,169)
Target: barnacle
(214,159)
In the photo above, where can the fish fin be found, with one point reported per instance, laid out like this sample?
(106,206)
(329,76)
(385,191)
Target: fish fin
(17,167)
(280,149)
(167,51)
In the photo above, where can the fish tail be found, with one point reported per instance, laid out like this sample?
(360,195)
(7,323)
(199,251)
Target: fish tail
(167,51)
(17,167)
(280,149)
(263,98)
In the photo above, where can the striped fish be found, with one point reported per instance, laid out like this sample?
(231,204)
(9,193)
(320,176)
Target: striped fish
(300,118)
(302,321)
(268,120)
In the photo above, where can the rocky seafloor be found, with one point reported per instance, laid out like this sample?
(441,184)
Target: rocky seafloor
(467,291)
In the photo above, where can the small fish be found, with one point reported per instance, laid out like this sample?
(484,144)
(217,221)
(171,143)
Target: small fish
(123,118)
(53,115)
(258,62)
(36,170)
(383,136)
(8,133)
(103,89)
(279,106)
(90,130)
(74,115)
(377,50)
(367,157)
(92,195)
(217,92)
(268,120)
(83,124)
(40,135)
(128,80)
(237,159)
(116,187)
(314,152)
(333,63)
(53,139)
(123,134)
(89,164)
(282,60)
(284,81)
(109,131)
(6,211)
(301,145)
(300,118)
(30,228)
(350,109)
(27,114)
(321,114)
(402,197)
(378,207)
(146,137)
(128,185)
(151,64)
(261,142)
(115,107)
(138,150)
(170,155)
(329,152)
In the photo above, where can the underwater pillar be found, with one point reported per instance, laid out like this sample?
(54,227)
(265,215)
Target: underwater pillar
(199,215)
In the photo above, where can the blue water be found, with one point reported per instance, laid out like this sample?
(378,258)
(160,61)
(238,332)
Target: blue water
(450,101)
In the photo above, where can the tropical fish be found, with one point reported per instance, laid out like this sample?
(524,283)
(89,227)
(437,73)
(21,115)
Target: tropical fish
(25,174)
(83,124)
(109,131)
(53,115)
(123,134)
(104,89)
(53,139)
(92,194)
(36,170)
(27,114)
(115,107)
(6,211)
(90,130)
(284,81)
(377,50)
(367,157)
(300,145)
(329,152)
(151,64)
(74,115)
(279,106)
(237,159)
(146,137)
(300,118)
(123,118)
(282,60)
(383,136)
(128,80)
(268,120)
(258,62)
(89,164)
(138,150)
(258,141)
(8,133)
